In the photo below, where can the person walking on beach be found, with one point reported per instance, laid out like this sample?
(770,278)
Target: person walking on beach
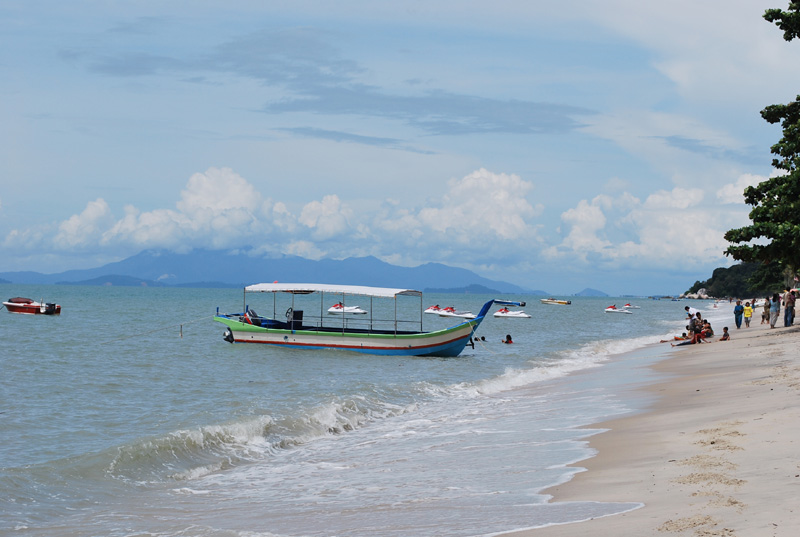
(748,314)
(765,313)
(738,312)
(774,310)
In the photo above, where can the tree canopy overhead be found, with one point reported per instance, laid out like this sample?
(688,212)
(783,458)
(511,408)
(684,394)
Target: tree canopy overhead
(776,202)
(788,21)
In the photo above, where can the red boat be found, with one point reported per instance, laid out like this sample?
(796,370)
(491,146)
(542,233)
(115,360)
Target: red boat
(27,306)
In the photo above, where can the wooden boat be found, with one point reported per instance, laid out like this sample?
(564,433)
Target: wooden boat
(396,334)
(27,306)
(555,301)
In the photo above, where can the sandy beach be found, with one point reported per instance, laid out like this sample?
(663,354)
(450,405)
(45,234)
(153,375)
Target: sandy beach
(718,454)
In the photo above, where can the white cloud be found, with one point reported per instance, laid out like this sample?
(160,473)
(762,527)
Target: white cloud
(734,192)
(217,209)
(671,229)
(677,198)
(160,228)
(26,238)
(85,228)
(327,218)
(483,204)
(584,222)
(306,249)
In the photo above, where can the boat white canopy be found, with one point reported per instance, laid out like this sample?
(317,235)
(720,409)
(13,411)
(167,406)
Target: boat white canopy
(306,288)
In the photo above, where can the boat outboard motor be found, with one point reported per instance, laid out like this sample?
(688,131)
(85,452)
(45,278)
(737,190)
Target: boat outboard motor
(296,320)
(228,336)
(49,308)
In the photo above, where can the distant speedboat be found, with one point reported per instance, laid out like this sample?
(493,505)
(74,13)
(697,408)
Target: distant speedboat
(615,309)
(511,314)
(341,309)
(555,301)
(27,306)
(450,311)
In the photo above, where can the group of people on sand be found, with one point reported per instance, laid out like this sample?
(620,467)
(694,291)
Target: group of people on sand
(698,330)
(771,311)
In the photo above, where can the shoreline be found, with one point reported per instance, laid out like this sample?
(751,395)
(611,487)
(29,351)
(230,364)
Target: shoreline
(716,453)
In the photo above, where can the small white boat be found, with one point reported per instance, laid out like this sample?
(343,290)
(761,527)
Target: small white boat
(615,309)
(555,301)
(450,311)
(511,314)
(341,309)
(631,306)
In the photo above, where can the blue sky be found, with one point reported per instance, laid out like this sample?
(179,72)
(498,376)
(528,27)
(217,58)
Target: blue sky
(555,145)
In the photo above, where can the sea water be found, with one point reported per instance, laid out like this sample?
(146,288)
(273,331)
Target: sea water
(128,414)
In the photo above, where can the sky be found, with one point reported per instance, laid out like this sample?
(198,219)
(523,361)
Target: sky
(553,145)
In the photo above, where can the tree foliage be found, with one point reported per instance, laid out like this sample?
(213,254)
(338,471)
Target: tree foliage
(775,217)
(788,21)
(745,280)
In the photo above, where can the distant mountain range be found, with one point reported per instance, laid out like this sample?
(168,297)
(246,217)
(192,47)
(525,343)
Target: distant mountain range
(209,268)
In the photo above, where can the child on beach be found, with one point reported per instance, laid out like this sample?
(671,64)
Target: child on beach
(748,313)
(725,335)
(676,338)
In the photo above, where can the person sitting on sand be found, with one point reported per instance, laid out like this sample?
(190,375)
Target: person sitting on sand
(725,335)
(676,338)
(707,331)
(697,332)
(508,339)
(697,337)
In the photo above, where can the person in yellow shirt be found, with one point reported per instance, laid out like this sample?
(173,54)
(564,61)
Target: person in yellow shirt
(748,313)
